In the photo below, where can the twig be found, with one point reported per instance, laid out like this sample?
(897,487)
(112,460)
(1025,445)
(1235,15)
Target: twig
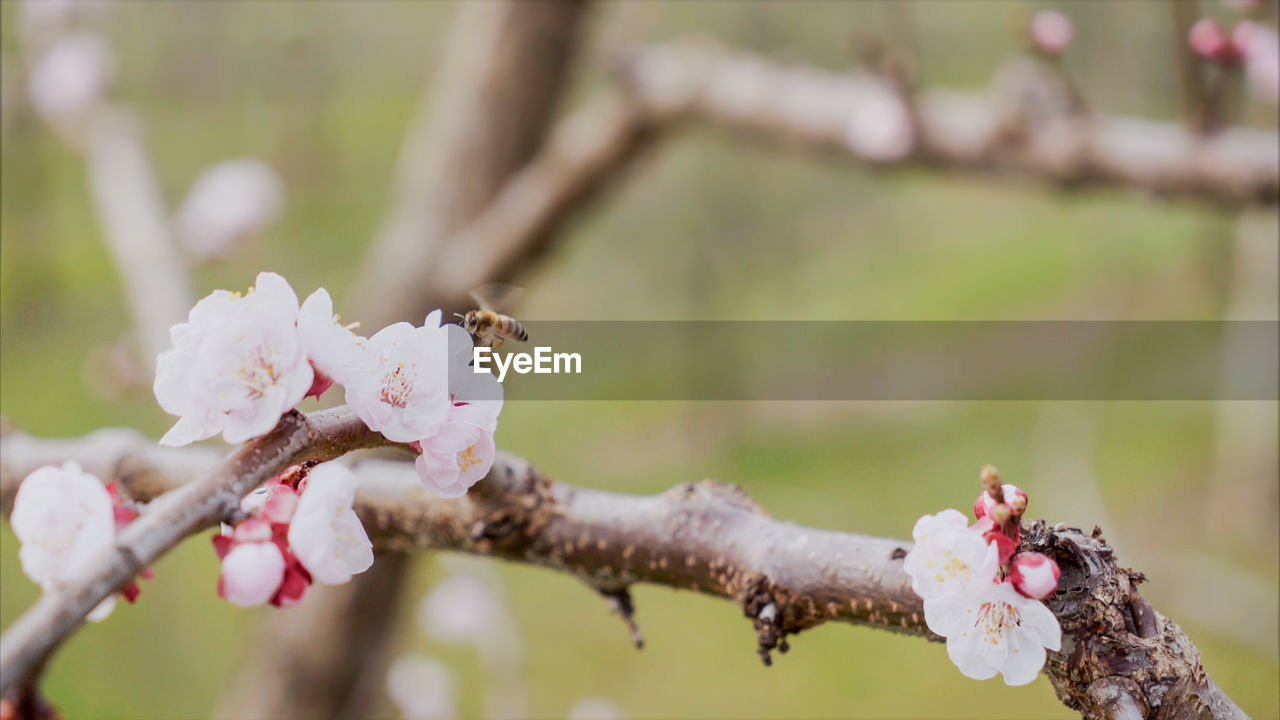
(811,108)
(1119,654)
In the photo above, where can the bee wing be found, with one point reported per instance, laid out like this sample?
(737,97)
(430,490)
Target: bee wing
(494,297)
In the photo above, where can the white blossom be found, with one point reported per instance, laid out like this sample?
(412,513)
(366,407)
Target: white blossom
(229,202)
(949,558)
(63,518)
(325,534)
(995,630)
(333,349)
(236,365)
(462,451)
(458,456)
(405,395)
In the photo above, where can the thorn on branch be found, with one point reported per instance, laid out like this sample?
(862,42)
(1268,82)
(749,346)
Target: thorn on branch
(620,602)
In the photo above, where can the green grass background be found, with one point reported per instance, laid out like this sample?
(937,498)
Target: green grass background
(708,227)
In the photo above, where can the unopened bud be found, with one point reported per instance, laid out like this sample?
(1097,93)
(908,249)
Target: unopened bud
(280,504)
(252,530)
(1206,39)
(980,504)
(1013,496)
(1000,514)
(1016,499)
(1034,575)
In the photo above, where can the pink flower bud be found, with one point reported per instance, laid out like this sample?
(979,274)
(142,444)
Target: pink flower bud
(251,573)
(982,505)
(1000,513)
(1016,499)
(251,531)
(1207,39)
(1051,31)
(280,504)
(1034,575)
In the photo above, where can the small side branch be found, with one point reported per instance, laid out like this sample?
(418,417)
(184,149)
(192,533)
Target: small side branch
(997,133)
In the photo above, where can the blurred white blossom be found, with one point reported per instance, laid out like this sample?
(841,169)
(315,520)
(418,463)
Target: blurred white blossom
(422,688)
(880,126)
(463,609)
(229,202)
(1261,47)
(71,79)
(595,708)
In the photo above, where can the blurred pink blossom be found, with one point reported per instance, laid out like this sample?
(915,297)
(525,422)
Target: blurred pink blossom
(1051,31)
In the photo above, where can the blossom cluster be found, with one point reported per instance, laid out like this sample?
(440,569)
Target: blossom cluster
(65,519)
(979,592)
(299,528)
(242,361)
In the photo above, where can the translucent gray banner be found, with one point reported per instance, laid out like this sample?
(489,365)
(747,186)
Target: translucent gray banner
(1040,360)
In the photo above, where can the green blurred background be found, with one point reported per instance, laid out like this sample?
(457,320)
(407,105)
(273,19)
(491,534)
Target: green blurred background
(708,227)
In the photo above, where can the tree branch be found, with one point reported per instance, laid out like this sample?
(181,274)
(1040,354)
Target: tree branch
(188,509)
(1119,656)
(1017,129)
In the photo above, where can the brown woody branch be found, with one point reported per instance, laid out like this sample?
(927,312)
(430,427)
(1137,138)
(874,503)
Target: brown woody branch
(1022,126)
(1120,658)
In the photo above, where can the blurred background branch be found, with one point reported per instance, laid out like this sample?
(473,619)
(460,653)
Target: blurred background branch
(819,110)
(486,113)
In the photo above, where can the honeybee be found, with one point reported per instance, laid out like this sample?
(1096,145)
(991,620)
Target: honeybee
(488,326)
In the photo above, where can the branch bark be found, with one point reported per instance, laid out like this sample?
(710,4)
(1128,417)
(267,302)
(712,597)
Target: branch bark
(1120,658)
(1015,129)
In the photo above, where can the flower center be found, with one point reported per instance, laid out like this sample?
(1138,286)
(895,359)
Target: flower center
(996,619)
(258,372)
(396,386)
(467,458)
